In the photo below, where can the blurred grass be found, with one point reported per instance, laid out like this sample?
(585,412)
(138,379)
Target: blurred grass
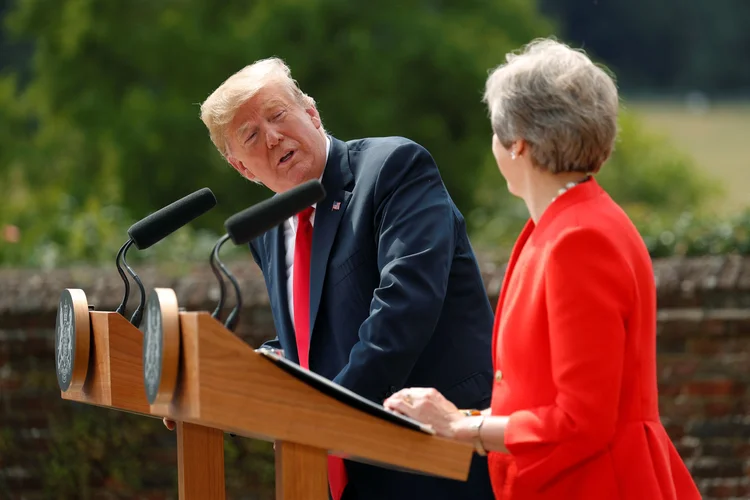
(717,137)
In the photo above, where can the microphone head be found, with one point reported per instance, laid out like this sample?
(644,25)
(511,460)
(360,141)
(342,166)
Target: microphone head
(160,224)
(245,226)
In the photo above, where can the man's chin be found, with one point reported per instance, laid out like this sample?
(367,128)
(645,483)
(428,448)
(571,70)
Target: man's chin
(299,174)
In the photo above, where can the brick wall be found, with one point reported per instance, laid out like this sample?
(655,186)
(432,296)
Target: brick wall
(51,448)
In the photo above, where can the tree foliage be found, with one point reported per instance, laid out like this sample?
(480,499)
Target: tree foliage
(107,130)
(102,126)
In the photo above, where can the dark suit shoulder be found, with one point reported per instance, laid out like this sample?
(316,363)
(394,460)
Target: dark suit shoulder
(380,144)
(370,156)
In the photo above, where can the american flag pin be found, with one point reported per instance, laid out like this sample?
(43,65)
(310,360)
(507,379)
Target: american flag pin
(336,205)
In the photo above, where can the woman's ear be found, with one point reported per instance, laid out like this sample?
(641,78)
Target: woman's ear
(517,148)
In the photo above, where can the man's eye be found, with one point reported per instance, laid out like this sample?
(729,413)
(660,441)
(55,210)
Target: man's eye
(278,115)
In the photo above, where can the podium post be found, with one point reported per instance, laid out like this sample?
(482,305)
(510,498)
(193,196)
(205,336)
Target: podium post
(200,462)
(301,471)
(200,449)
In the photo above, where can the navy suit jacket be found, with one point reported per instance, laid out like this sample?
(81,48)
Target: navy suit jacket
(396,297)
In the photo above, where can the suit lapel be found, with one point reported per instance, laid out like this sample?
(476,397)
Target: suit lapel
(520,243)
(277,251)
(337,177)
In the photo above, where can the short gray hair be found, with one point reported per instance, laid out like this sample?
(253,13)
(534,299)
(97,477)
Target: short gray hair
(219,109)
(562,104)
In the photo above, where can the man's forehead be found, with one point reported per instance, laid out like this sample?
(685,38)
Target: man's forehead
(273,102)
(269,96)
(264,101)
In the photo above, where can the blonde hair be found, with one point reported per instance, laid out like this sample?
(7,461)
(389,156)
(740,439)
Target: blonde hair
(556,99)
(219,109)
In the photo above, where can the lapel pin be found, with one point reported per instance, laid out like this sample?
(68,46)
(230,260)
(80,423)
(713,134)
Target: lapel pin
(336,205)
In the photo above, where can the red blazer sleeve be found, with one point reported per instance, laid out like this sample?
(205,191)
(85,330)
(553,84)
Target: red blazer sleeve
(589,288)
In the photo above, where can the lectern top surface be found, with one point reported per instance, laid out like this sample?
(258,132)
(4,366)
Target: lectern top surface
(343,394)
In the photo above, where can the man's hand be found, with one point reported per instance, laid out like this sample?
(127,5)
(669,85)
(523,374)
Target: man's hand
(169,424)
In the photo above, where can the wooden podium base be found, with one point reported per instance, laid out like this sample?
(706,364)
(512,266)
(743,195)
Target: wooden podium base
(301,472)
(200,462)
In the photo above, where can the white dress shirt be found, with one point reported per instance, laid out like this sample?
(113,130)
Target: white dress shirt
(290,235)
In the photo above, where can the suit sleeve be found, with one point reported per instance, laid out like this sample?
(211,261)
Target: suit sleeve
(589,289)
(415,231)
(273,343)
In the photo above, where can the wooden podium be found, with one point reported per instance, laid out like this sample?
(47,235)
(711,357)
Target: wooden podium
(199,374)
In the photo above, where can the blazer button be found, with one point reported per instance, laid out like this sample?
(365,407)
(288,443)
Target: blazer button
(498,376)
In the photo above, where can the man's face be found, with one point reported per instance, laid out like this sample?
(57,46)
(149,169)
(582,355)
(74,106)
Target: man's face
(275,140)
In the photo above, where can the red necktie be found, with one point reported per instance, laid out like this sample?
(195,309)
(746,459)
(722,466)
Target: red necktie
(301,297)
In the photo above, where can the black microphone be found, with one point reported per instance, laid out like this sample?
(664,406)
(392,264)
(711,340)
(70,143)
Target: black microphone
(160,224)
(154,228)
(256,220)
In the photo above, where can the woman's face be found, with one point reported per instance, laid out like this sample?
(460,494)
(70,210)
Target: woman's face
(509,167)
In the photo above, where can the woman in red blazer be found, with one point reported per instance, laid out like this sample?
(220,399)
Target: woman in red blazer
(574,412)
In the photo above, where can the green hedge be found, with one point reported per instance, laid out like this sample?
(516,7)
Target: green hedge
(691,235)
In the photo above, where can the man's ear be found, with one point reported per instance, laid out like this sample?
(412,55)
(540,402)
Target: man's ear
(314,116)
(240,167)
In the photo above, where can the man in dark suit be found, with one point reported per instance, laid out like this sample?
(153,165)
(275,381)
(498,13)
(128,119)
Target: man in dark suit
(377,287)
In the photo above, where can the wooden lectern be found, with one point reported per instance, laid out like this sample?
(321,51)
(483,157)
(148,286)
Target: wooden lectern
(192,370)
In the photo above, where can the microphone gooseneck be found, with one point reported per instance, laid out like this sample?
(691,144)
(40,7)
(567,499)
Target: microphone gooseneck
(214,262)
(124,248)
(234,315)
(135,319)
(216,265)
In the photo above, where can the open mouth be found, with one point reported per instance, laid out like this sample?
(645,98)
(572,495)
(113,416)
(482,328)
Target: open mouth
(286,157)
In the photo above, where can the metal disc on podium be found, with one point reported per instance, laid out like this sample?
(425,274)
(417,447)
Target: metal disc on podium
(72,339)
(161,345)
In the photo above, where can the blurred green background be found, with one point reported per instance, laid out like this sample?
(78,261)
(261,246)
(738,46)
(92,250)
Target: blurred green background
(99,109)
(99,127)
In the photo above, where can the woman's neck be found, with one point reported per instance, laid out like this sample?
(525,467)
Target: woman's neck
(544,187)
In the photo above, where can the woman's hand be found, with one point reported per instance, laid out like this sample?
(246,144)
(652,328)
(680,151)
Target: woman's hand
(427,406)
